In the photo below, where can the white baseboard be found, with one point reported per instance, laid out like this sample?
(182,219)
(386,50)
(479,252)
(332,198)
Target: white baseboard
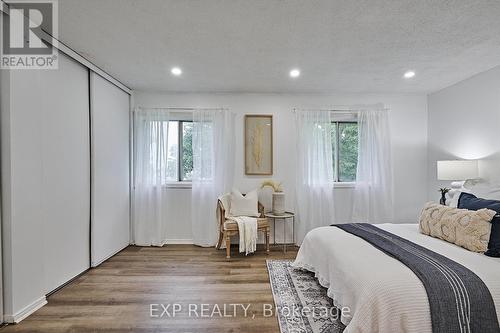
(179,241)
(190,241)
(26,311)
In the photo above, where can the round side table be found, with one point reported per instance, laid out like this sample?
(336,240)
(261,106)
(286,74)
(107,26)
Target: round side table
(284,217)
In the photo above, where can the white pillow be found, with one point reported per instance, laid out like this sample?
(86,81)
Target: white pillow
(244,205)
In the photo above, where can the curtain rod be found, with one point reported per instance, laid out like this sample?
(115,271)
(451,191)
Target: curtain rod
(341,110)
(179,108)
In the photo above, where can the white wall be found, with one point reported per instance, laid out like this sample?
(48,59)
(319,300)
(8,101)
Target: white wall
(464,123)
(408,121)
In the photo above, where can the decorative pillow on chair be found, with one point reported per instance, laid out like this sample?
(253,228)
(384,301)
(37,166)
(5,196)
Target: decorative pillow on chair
(466,228)
(470,201)
(244,205)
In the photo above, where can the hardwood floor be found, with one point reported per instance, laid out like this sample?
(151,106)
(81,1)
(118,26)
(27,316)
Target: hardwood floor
(117,296)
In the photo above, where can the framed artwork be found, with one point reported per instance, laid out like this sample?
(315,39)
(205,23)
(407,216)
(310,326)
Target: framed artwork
(258,144)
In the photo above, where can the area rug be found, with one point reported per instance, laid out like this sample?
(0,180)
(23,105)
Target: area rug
(300,301)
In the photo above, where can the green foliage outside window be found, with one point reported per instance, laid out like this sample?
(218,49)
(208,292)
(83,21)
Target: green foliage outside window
(187,151)
(348,151)
(345,150)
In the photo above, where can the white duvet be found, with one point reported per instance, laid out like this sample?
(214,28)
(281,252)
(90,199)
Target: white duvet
(382,294)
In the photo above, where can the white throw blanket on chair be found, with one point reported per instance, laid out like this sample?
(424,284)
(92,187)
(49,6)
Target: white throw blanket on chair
(248,233)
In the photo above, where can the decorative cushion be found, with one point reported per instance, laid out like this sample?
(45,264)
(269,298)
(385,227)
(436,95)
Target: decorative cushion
(466,228)
(470,201)
(244,205)
(232,225)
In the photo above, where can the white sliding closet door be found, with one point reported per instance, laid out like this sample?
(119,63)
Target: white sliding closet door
(110,169)
(65,171)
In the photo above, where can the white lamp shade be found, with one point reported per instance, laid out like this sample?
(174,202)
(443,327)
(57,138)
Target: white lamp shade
(457,170)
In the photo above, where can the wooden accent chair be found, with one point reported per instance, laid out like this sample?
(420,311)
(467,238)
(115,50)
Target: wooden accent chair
(228,228)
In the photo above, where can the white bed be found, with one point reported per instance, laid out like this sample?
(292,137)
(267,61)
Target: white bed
(383,295)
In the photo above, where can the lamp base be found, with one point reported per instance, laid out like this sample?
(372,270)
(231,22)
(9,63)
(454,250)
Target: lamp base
(455,188)
(457,185)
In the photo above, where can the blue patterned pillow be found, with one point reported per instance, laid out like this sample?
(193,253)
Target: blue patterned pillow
(471,202)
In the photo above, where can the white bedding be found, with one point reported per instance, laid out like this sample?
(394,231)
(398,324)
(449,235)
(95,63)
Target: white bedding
(383,295)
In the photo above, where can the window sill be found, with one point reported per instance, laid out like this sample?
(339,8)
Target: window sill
(344,184)
(179,185)
(188,185)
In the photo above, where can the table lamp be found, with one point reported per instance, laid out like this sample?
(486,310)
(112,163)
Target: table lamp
(458,171)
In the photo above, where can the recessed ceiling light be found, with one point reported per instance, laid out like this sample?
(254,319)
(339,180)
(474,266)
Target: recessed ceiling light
(409,74)
(294,73)
(176,71)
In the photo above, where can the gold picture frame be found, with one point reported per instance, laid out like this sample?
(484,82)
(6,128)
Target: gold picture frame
(258,144)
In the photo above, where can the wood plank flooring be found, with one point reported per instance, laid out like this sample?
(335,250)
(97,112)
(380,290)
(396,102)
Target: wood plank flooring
(117,296)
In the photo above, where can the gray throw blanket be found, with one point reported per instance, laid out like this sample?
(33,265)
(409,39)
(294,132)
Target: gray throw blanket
(459,300)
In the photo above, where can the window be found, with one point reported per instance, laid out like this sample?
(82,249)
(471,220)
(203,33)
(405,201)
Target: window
(186,157)
(180,151)
(345,150)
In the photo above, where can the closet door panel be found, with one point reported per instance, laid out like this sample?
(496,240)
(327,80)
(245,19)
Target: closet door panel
(110,169)
(66,171)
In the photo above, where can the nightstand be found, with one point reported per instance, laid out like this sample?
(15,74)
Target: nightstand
(284,217)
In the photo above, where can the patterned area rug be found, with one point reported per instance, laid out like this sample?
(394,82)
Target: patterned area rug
(301,303)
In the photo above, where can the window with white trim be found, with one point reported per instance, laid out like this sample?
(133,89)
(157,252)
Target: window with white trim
(345,150)
(180,151)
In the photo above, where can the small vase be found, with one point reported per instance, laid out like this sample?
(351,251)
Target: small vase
(279,203)
(443,198)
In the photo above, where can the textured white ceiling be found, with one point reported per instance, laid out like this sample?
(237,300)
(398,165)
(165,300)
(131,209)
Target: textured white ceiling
(250,46)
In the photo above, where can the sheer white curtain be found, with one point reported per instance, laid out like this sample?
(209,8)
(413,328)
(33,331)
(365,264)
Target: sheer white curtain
(213,169)
(150,175)
(314,178)
(373,195)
